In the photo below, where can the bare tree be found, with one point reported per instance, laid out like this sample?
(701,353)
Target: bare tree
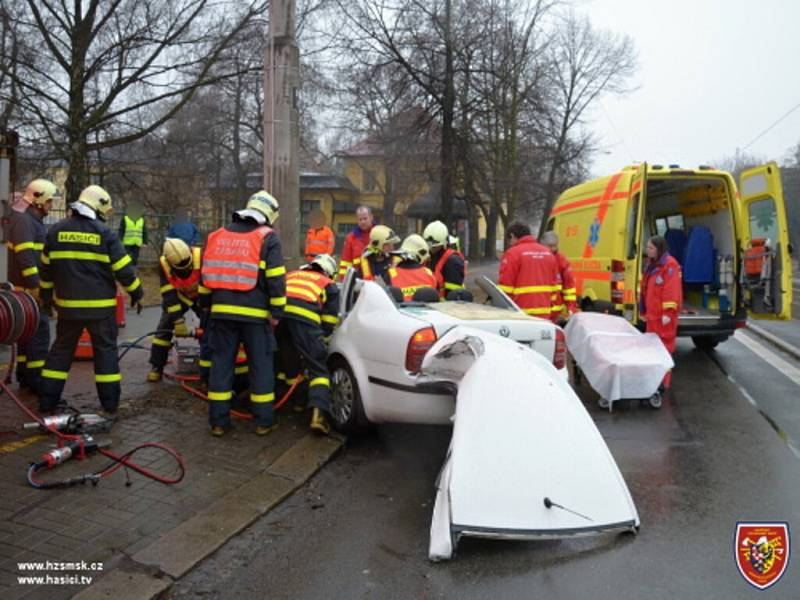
(106,74)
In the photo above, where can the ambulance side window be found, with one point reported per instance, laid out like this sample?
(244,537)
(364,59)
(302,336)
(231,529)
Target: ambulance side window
(551,224)
(763,220)
(633,219)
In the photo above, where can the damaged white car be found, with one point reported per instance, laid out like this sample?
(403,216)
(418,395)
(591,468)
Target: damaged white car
(376,353)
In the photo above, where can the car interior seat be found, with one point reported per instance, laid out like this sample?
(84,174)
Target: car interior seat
(425,294)
(698,260)
(676,240)
(463,295)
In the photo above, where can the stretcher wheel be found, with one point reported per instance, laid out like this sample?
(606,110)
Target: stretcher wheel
(655,400)
(603,403)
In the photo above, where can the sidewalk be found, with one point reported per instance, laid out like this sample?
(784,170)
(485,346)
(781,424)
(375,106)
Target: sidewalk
(145,534)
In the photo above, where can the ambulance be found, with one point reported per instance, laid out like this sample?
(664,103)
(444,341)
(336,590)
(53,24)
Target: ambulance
(732,243)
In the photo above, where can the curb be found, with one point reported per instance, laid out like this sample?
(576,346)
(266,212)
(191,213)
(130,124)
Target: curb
(775,340)
(152,570)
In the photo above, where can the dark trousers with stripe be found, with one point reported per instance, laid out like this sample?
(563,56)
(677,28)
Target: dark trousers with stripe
(103,333)
(300,347)
(31,355)
(259,343)
(162,341)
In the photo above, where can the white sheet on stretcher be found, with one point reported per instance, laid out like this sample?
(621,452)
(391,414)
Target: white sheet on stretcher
(617,359)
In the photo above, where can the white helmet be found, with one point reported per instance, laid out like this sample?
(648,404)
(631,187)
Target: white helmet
(327,263)
(39,192)
(97,199)
(177,253)
(414,247)
(436,234)
(264,203)
(379,236)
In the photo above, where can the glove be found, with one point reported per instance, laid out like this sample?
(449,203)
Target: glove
(181,330)
(137,302)
(665,320)
(273,323)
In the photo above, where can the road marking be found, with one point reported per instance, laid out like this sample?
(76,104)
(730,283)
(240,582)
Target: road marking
(12,446)
(769,356)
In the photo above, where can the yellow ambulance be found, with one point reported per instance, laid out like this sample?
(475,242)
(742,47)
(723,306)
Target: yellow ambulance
(732,243)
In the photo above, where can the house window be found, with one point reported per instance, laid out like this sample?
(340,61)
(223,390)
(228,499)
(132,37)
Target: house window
(306,206)
(369,180)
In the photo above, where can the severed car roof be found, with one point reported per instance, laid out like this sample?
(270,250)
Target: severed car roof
(470,311)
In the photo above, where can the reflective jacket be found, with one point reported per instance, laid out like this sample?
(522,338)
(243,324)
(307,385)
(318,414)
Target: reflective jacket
(132,232)
(370,268)
(313,298)
(662,295)
(567,298)
(80,261)
(449,268)
(25,243)
(180,288)
(410,276)
(529,275)
(354,245)
(319,241)
(267,297)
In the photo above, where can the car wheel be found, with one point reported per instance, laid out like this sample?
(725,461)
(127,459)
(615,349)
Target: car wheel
(655,400)
(707,343)
(346,408)
(603,403)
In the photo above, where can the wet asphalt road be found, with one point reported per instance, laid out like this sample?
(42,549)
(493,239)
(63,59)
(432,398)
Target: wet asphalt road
(706,460)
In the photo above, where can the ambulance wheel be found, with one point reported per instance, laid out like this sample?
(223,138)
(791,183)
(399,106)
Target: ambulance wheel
(347,411)
(707,343)
(655,400)
(603,403)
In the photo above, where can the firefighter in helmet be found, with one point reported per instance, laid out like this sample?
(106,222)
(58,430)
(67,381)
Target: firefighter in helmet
(411,274)
(377,257)
(448,264)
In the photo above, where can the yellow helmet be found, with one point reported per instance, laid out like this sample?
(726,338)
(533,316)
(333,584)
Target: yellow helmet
(264,203)
(326,263)
(177,253)
(379,236)
(39,192)
(414,247)
(436,234)
(97,199)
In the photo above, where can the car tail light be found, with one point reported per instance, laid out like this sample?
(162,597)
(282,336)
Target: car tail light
(617,281)
(418,346)
(560,355)
(741,324)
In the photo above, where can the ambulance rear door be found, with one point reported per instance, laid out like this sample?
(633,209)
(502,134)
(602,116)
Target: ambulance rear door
(634,245)
(762,216)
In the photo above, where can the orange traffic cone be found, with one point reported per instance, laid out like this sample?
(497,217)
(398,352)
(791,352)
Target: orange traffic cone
(84,350)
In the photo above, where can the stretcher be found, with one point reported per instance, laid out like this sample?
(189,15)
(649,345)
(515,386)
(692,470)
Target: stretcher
(618,361)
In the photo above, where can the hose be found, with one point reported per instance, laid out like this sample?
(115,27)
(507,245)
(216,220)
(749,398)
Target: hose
(135,343)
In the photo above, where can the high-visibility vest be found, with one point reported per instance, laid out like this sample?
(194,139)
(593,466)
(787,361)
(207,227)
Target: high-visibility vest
(134,231)
(232,260)
(437,271)
(306,295)
(319,241)
(410,280)
(188,286)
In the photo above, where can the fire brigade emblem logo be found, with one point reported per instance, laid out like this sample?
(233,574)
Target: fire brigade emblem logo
(762,552)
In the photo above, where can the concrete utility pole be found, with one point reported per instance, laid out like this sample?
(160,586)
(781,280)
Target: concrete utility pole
(281,133)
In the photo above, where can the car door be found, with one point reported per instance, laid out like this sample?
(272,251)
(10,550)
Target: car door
(762,214)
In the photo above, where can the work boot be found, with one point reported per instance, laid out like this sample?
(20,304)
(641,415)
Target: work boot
(266,429)
(319,423)
(217,430)
(155,376)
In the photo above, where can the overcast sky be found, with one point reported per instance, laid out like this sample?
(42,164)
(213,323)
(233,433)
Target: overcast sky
(712,76)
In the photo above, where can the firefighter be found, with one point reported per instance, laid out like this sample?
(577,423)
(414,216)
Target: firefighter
(661,298)
(356,241)
(411,274)
(529,272)
(565,302)
(320,238)
(179,271)
(25,243)
(81,258)
(377,257)
(133,233)
(448,264)
(311,314)
(243,269)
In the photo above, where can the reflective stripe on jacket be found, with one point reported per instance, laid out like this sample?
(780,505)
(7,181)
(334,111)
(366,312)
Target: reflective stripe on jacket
(354,245)
(134,231)
(313,298)
(410,278)
(662,295)
(231,259)
(566,298)
(188,286)
(450,276)
(529,275)
(25,243)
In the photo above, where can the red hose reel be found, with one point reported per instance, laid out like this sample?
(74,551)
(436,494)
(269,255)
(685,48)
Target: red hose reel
(19,316)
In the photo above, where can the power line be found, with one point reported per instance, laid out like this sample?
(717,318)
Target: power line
(768,129)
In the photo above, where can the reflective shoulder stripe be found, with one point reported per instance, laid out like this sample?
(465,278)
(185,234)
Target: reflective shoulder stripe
(28,246)
(233,309)
(166,288)
(125,260)
(203,290)
(30,271)
(173,308)
(71,255)
(136,283)
(303,312)
(275,272)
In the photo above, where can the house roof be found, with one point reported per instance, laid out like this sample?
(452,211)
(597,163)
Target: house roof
(369,146)
(429,206)
(326,181)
